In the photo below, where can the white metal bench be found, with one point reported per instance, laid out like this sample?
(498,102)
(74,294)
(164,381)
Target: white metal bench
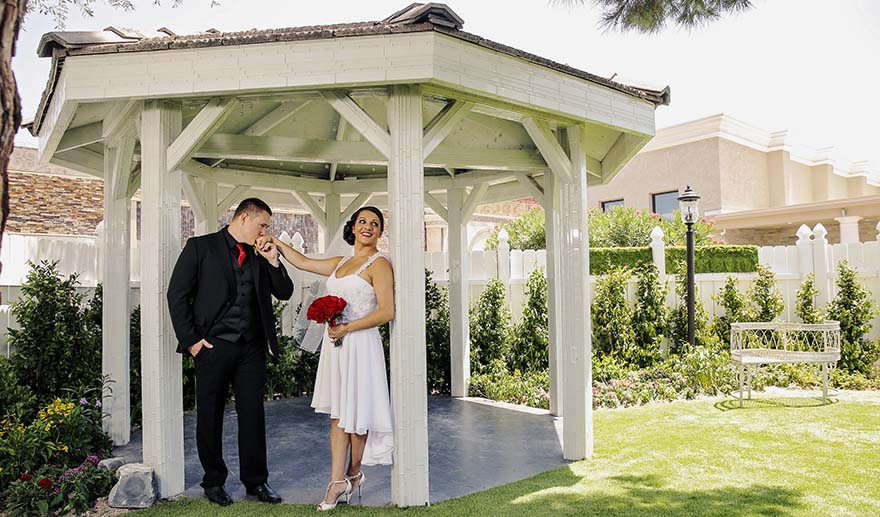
(752,344)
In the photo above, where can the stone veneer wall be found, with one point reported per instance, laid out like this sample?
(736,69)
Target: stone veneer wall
(51,199)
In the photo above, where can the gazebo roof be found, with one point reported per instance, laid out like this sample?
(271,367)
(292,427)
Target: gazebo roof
(416,17)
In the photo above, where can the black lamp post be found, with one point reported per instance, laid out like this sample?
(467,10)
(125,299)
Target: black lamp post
(689,206)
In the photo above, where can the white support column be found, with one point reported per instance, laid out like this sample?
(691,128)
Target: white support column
(161,364)
(116,271)
(409,476)
(332,214)
(849,228)
(553,230)
(209,224)
(459,274)
(575,308)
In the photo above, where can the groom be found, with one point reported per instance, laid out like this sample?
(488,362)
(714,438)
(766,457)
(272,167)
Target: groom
(220,299)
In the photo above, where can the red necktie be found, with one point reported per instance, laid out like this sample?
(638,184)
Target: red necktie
(241,254)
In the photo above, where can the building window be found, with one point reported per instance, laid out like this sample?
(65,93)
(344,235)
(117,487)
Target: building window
(665,203)
(608,205)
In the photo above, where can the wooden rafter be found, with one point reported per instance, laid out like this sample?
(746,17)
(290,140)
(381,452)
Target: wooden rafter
(199,129)
(550,148)
(360,120)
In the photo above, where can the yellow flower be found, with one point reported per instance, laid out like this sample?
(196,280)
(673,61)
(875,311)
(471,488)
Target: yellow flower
(63,448)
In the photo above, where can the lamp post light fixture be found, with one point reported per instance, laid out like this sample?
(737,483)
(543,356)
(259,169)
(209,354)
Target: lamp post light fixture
(689,206)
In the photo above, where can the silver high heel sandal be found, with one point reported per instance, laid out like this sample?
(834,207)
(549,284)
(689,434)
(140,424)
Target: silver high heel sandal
(360,478)
(323,506)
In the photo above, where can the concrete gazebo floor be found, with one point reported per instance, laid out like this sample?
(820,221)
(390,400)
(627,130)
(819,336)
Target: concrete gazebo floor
(473,445)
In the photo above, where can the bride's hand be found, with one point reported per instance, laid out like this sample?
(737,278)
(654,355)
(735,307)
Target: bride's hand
(338,331)
(265,244)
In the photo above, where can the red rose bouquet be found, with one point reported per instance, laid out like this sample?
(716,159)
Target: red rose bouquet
(327,309)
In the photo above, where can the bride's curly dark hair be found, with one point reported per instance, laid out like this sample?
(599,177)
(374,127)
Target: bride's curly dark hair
(348,231)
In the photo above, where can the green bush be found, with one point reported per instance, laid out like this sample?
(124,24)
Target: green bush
(497,383)
(620,227)
(613,332)
(678,327)
(437,337)
(736,309)
(854,307)
(59,489)
(767,304)
(716,259)
(64,432)
(530,346)
(526,232)
(707,259)
(16,400)
(805,308)
(293,374)
(57,346)
(650,316)
(489,326)
(846,380)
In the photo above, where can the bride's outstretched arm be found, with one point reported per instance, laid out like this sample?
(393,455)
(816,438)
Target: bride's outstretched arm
(382,277)
(298,260)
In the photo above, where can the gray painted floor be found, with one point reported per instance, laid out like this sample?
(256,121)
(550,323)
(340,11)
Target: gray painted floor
(473,445)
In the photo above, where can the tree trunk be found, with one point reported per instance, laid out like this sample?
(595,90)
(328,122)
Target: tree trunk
(11,16)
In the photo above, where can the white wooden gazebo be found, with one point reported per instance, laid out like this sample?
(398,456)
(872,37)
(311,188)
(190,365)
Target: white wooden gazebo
(406,113)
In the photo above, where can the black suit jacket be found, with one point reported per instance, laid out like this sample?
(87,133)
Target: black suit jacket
(202,287)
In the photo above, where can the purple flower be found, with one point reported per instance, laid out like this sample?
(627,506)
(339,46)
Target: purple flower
(55,491)
(83,401)
(93,459)
(97,403)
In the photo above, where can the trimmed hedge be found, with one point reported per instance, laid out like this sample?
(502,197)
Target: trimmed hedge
(707,259)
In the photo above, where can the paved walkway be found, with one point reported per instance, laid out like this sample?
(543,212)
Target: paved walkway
(474,445)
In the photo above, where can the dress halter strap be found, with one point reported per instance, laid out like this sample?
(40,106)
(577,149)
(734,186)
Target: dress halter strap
(369,261)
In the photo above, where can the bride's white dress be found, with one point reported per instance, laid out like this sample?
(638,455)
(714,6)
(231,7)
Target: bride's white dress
(351,384)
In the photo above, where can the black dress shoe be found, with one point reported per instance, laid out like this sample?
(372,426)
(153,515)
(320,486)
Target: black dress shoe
(218,495)
(265,493)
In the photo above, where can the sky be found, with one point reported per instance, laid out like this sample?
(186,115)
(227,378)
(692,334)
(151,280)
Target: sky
(806,66)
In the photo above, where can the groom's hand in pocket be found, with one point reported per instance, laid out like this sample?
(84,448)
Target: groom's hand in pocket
(195,349)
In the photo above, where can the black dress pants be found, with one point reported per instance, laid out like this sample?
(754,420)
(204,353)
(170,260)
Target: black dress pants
(244,366)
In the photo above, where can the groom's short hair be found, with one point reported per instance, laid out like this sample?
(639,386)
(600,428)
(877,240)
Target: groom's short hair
(250,205)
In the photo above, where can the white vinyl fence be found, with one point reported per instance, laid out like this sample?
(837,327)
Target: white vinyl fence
(791,264)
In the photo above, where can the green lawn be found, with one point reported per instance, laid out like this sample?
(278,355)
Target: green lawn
(775,457)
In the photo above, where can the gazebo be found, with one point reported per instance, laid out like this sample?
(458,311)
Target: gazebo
(406,113)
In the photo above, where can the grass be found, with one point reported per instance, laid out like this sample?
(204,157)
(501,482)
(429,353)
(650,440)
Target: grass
(775,457)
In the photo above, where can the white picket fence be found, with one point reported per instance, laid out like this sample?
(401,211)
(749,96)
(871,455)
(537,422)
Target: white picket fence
(791,264)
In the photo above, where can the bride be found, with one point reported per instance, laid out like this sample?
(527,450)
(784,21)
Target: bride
(351,385)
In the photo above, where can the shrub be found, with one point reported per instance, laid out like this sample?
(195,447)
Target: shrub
(293,374)
(59,490)
(612,316)
(526,232)
(678,329)
(63,432)
(649,316)
(497,383)
(56,346)
(621,227)
(854,307)
(707,259)
(437,337)
(489,326)
(530,347)
(736,309)
(845,380)
(805,308)
(16,400)
(767,303)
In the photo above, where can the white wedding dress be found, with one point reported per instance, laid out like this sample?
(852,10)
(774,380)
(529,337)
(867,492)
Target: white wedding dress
(351,383)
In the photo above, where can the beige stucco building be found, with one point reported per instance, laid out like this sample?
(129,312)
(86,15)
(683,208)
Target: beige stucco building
(758,186)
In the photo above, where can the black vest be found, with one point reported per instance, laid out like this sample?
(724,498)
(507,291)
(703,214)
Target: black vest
(241,322)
